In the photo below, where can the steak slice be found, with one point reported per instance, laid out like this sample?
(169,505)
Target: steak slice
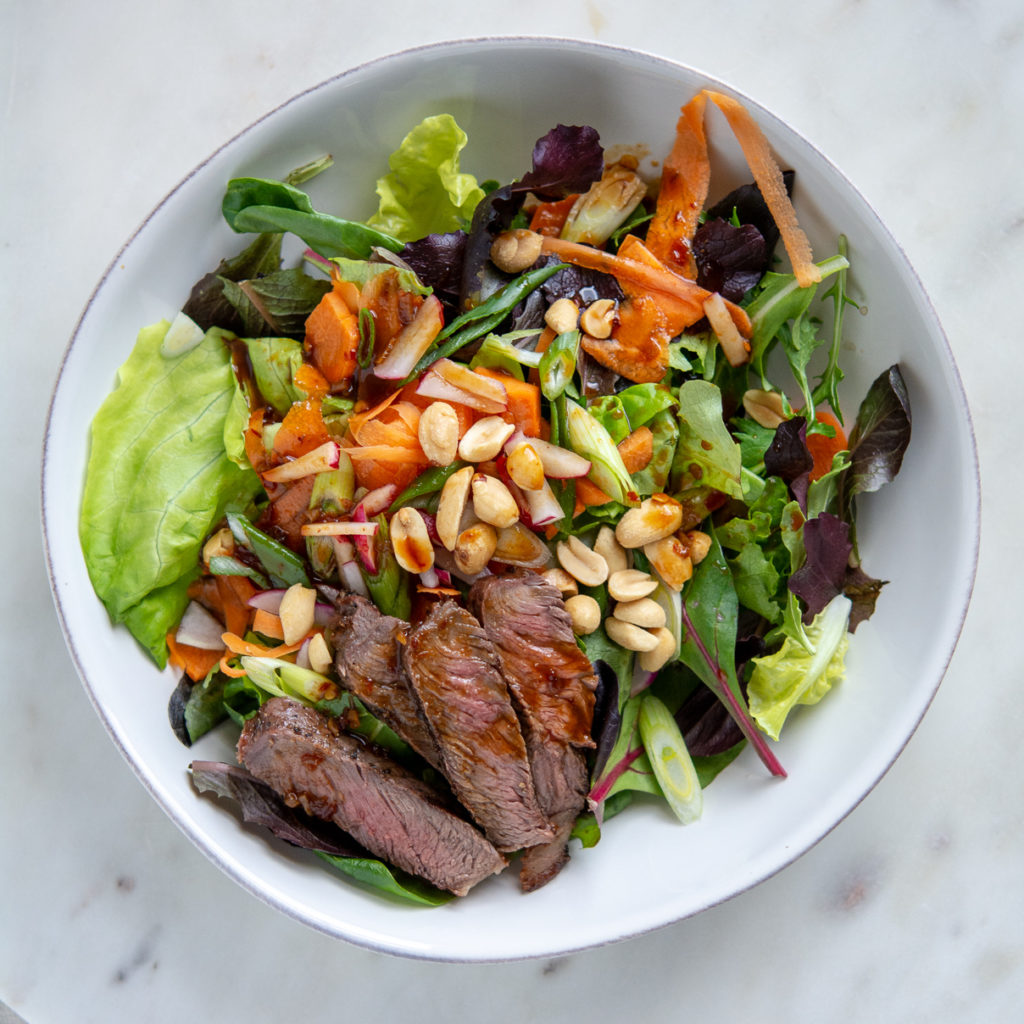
(453,669)
(301,754)
(553,685)
(366,646)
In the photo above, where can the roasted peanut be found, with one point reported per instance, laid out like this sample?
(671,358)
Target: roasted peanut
(580,562)
(641,612)
(410,541)
(319,655)
(484,439)
(598,318)
(562,316)
(631,585)
(633,638)
(764,407)
(514,251)
(559,578)
(585,614)
(651,661)
(439,433)
(699,544)
(297,612)
(474,548)
(658,516)
(525,467)
(493,502)
(518,545)
(670,559)
(219,544)
(451,504)
(611,550)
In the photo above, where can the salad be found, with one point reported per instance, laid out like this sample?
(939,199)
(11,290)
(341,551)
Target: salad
(500,509)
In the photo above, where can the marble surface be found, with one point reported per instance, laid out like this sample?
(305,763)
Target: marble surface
(910,910)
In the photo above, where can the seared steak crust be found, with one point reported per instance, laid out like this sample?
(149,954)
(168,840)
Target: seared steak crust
(552,683)
(550,677)
(300,753)
(454,671)
(366,646)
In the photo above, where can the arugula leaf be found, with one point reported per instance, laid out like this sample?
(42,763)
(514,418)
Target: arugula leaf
(158,477)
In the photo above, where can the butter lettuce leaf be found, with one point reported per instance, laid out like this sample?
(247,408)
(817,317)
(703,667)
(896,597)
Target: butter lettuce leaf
(158,478)
(795,675)
(426,193)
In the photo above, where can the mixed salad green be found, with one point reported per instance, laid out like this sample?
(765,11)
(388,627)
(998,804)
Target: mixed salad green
(256,456)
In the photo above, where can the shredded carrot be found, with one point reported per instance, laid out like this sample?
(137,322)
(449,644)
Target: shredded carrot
(384,453)
(229,670)
(234,593)
(255,451)
(309,379)
(443,591)
(549,218)
(356,421)
(523,401)
(301,430)
(267,624)
(332,338)
(195,662)
(637,449)
(684,187)
(769,179)
(588,493)
(236,645)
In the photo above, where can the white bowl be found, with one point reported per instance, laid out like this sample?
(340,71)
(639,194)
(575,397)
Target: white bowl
(647,870)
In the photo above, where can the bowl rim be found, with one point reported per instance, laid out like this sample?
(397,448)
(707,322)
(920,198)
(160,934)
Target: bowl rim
(196,836)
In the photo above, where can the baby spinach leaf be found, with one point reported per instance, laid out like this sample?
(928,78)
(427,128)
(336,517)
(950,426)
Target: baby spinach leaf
(265,205)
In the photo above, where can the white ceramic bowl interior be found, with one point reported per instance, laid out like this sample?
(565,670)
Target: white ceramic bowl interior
(647,870)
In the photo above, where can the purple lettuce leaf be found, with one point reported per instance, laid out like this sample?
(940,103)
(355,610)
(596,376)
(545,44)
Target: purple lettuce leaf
(568,159)
(881,434)
(260,805)
(787,456)
(863,591)
(750,208)
(730,260)
(438,261)
(823,575)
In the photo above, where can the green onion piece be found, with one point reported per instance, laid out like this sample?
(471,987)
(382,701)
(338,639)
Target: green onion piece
(589,438)
(225,565)
(367,334)
(482,319)
(558,364)
(670,760)
(428,482)
(282,565)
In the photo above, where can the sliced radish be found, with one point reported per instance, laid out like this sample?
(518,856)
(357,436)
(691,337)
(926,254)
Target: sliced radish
(344,550)
(319,460)
(429,578)
(322,614)
(456,383)
(182,336)
(412,341)
(267,600)
(376,501)
(302,654)
(338,529)
(198,628)
(352,579)
(560,463)
(544,506)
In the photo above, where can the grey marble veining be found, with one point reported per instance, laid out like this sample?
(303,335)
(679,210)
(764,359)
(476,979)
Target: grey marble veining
(909,911)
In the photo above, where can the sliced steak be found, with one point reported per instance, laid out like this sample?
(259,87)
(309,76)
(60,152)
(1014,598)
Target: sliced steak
(366,647)
(453,669)
(552,684)
(301,754)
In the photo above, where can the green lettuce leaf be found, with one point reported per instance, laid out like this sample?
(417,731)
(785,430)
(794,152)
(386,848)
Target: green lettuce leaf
(425,192)
(794,675)
(706,453)
(158,478)
(274,363)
